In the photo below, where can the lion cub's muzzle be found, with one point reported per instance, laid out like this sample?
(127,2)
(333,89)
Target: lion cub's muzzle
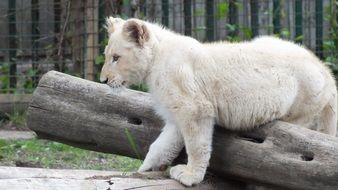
(114,83)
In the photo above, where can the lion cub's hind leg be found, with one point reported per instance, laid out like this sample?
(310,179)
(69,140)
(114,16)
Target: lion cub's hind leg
(327,121)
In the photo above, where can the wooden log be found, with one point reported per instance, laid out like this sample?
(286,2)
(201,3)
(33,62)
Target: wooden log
(90,115)
(15,178)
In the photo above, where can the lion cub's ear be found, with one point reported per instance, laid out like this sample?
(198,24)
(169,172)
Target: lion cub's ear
(112,24)
(136,32)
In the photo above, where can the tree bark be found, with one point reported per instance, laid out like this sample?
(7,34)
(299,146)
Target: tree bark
(91,116)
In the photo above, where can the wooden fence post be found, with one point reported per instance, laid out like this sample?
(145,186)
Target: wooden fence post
(3,33)
(210,20)
(254,17)
(77,28)
(265,17)
(287,19)
(46,25)
(233,18)
(35,36)
(12,43)
(221,19)
(92,38)
(199,24)
(277,13)
(176,21)
(244,19)
(187,17)
(319,28)
(57,26)
(23,28)
(157,11)
(309,24)
(298,21)
(165,12)
(327,8)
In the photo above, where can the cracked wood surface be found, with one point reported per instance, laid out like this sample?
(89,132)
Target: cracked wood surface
(15,178)
(89,115)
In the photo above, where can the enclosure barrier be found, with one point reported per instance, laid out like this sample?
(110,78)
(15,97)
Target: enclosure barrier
(68,35)
(12,103)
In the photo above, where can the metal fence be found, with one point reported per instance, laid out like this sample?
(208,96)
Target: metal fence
(67,35)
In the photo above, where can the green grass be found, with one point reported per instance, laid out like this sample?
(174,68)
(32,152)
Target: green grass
(48,154)
(15,120)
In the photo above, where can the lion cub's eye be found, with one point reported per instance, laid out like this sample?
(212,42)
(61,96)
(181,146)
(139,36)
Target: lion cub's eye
(116,58)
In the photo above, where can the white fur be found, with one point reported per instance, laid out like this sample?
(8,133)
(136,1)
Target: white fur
(235,85)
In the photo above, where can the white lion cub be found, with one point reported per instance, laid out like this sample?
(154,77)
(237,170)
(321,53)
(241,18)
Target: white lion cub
(235,85)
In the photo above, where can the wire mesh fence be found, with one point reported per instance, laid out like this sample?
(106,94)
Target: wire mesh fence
(67,35)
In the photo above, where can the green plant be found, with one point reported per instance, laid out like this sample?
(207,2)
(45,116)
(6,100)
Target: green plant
(199,12)
(99,59)
(232,30)
(330,46)
(284,33)
(49,154)
(222,9)
(29,80)
(299,39)
(132,142)
(4,78)
(16,118)
(139,87)
(2,120)
(247,32)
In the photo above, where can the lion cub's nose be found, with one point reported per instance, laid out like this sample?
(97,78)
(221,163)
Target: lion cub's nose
(104,80)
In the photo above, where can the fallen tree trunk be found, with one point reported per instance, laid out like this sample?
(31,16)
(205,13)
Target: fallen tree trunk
(89,115)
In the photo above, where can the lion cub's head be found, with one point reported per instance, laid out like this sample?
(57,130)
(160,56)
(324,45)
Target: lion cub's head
(128,53)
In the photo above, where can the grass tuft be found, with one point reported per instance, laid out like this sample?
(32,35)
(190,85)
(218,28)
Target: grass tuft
(132,142)
(48,154)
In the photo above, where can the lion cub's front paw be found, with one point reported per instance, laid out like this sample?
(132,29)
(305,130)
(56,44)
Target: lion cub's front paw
(144,168)
(184,175)
(148,167)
